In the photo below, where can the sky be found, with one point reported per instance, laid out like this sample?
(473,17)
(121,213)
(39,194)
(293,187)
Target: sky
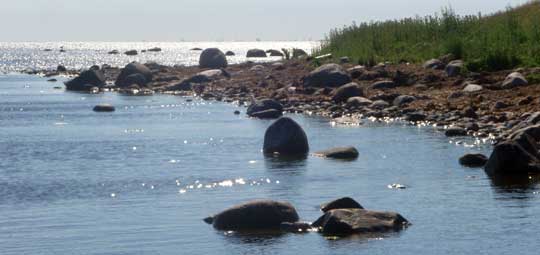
(208,20)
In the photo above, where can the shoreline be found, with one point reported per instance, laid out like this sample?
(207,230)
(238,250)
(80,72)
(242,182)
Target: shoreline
(429,96)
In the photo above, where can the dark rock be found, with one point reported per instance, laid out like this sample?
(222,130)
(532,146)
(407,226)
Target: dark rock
(229,53)
(510,157)
(61,68)
(52,80)
(383,85)
(267,114)
(113,52)
(403,99)
(328,75)
(263,105)
(285,137)
(86,80)
(473,160)
(255,215)
(379,104)
(356,71)
(344,60)
(131,52)
(342,203)
(415,116)
(339,153)
(136,78)
(359,221)
(236,112)
(455,131)
(155,49)
(133,68)
(212,58)
(346,91)
(275,53)
(195,49)
(500,105)
(256,53)
(469,112)
(298,53)
(104,108)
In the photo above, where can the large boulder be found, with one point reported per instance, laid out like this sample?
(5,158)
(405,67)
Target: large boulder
(286,138)
(263,105)
(347,91)
(342,203)
(329,75)
(518,155)
(359,221)
(297,53)
(267,114)
(256,53)
(136,78)
(513,80)
(212,58)
(254,215)
(339,153)
(86,80)
(133,68)
(275,53)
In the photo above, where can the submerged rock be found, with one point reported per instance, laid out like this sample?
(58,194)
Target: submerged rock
(285,137)
(130,69)
(212,58)
(342,203)
(86,80)
(131,52)
(254,215)
(339,153)
(328,75)
(104,108)
(473,160)
(359,221)
(455,131)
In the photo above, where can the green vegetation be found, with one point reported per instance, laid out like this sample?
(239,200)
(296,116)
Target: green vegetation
(498,41)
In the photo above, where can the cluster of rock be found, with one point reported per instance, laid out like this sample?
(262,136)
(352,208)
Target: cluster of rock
(341,217)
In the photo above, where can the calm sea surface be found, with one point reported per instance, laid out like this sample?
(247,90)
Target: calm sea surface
(140,180)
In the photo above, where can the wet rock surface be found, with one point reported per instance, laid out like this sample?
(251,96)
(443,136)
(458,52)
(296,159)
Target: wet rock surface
(286,138)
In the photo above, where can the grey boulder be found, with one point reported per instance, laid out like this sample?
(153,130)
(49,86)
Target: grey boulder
(342,222)
(133,68)
(286,138)
(212,58)
(328,75)
(339,153)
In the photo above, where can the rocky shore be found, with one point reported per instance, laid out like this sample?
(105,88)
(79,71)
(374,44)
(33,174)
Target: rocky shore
(493,106)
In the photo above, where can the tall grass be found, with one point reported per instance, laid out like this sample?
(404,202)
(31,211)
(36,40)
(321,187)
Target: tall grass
(498,41)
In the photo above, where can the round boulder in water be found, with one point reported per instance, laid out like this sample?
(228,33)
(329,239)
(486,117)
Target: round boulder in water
(263,105)
(339,153)
(212,58)
(256,53)
(104,108)
(342,203)
(86,80)
(254,215)
(285,137)
(473,160)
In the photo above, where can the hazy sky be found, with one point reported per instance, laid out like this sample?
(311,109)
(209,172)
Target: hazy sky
(208,20)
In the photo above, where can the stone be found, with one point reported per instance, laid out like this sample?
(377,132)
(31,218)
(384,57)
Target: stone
(342,203)
(386,84)
(359,102)
(133,68)
(155,49)
(344,60)
(433,64)
(356,71)
(212,58)
(513,80)
(256,53)
(454,68)
(263,105)
(346,91)
(471,88)
(267,114)
(131,52)
(254,215)
(136,78)
(379,104)
(455,131)
(104,108)
(342,222)
(512,158)
(402,100)
(285,137)
(113,52)
(275,53)
(229,53)
(415,117)
(86,80)
(339,153)
(328,75)
(473,160)
(61,68)
(298,53)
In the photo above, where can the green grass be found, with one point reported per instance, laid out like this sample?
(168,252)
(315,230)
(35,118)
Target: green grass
(502,40)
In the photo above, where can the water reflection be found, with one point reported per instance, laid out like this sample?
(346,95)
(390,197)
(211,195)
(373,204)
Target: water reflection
(515,186)
(289,164)
(256,238)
